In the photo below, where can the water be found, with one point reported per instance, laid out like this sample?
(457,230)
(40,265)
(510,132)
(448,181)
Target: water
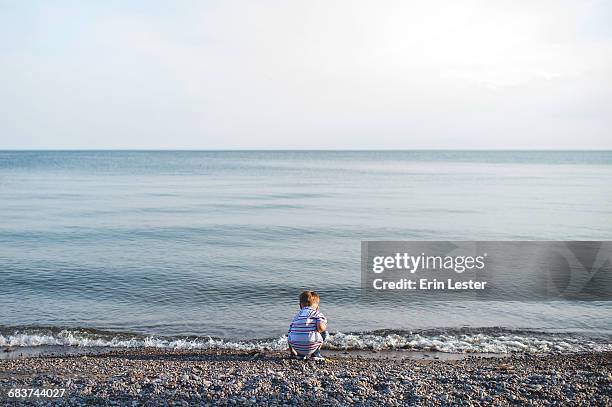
(182,246)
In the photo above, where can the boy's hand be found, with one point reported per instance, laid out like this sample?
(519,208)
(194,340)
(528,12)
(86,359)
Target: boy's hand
(321,326)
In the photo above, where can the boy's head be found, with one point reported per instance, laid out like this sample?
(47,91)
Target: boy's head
(309,299)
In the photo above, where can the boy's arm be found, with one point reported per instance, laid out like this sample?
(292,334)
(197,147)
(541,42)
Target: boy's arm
(321,323)
(321,326)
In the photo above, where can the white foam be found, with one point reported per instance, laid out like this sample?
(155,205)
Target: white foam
(468,343)
(83,339)
(450,343)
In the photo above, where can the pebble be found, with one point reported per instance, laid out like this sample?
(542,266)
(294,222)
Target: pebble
(164,377)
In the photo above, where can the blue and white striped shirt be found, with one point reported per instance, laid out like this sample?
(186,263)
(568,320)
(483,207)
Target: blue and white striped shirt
(303,335)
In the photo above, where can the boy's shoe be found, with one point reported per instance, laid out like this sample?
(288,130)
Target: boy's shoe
(316,355)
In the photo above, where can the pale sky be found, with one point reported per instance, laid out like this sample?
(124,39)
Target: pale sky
(306,74)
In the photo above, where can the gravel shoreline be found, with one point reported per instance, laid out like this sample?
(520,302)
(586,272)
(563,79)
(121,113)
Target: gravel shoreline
(166,377)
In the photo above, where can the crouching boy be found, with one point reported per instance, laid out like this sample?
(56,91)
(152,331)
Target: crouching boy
(308,329)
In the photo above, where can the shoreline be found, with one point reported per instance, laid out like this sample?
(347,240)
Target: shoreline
(47,351)
(160,376)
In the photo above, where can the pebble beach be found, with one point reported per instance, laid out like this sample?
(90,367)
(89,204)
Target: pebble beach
(158,377)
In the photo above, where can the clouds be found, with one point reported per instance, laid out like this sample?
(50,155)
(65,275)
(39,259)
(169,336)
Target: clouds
(306,75)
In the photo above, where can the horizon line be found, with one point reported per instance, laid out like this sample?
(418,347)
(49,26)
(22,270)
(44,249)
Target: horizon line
(300,149)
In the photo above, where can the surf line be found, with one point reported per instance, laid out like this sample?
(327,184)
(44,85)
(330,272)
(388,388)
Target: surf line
(425,284)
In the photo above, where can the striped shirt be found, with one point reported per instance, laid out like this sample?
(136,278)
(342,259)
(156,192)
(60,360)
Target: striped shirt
(303,335)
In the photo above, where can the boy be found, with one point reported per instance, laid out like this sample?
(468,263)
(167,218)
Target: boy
(308,328)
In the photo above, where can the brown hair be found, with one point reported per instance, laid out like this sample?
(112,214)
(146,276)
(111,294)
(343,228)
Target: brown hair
(309,298)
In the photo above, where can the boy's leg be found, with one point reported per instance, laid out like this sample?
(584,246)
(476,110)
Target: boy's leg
(317,353)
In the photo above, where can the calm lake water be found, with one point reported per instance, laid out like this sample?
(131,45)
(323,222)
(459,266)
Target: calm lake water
(195,244)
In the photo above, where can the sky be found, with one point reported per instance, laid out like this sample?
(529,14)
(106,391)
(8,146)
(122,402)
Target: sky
(261,74)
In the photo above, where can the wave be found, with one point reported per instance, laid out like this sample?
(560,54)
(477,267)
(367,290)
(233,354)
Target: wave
(483,340)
